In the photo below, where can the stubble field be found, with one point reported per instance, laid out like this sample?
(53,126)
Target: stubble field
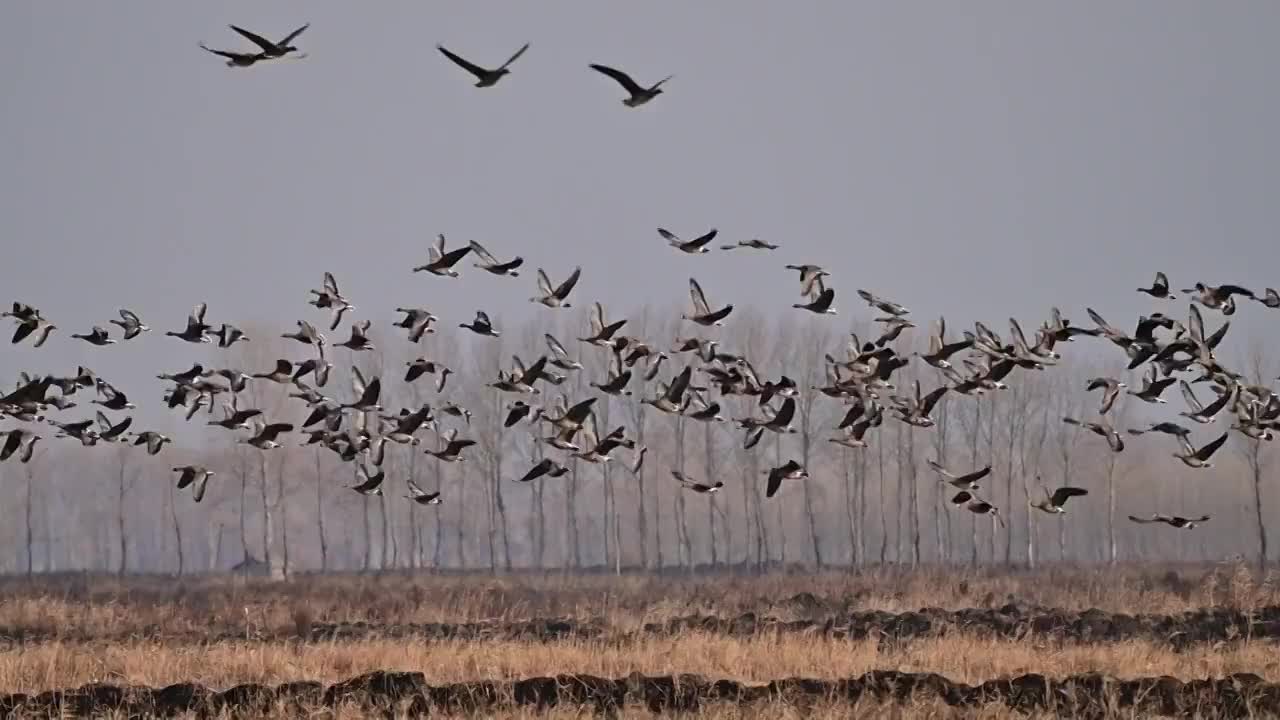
(1129,642)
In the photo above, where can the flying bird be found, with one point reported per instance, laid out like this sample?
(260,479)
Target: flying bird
(272,49)
(637,94)
(484,76)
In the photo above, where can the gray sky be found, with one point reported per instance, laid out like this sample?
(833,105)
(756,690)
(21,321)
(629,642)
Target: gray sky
(989,159)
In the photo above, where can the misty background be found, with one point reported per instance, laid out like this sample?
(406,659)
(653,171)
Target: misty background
(985,161)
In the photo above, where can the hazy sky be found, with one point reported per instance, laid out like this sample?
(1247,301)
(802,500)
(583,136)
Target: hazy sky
(983,159)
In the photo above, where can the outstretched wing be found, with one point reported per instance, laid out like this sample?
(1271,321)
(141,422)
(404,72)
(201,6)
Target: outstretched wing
(289,38)
(470,67)
(515,57)
(544,283)
(564,288)
(699,298)
(484,254)
(255,38)
(620,77)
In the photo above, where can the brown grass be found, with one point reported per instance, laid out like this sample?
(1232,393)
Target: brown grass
(82,606)
(80,614)
(760,659)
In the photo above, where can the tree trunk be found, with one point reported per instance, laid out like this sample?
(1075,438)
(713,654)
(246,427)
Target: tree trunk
(177,529)
(1255,463)
(324,545)
(121,533)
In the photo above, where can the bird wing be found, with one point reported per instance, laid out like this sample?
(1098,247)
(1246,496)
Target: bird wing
(1062,494)
(937,467)
(1190,397)
(288,38)
(679,384)
(699,299)
(484,254)
(703,239)
(544,284)
(330,285)
(1208,450)
(1153,518)
(256,39)
(556,348)
(785,413)
(470,67)
(197,313)
(514,57)
(371,392)
(564,288)
(1161,281)
(1195,325)
(483,317)
(413,488)
(621,78)
(926,405)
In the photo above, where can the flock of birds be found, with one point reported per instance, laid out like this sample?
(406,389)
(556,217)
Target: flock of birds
(358,430)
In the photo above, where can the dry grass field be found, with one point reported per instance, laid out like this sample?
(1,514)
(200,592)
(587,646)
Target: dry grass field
(67,632)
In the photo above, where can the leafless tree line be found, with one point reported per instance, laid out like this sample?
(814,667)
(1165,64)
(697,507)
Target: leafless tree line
(115,509)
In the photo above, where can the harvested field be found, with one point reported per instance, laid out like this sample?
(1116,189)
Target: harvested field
(1175,641)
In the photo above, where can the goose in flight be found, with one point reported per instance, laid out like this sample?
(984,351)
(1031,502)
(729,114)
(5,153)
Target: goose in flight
(601,332)
(130,323)
(779,423)
(671,399)
(809,276)
(272,49)
(546,467)
(359,339)
(420,496)
(481,325)
(940,351)
(1199,458)
(855,434)
(96,336)
(452,450)
(423,366)
(330,297)
(753,243)
(153,440)
(484,76)
(821,302)
(695,246)
(229,335)
(893,327)
(977,505)
(29,321)
(368,484)
(1159,288)
(369,393)
(891,308)
(689,484)
(1204,414)
(702,313)
(196,475)
(559,356)
(265,438)
(1176,521)
(555,296)
(417,321)
(455,410)
(616,384)
(790,470)
(116,400)
(1168,428)
(963,481)
(306,334)
(1110,391)
(1054,503)
(196,329)
(19,441)
(441,262)
(235,59)
(283,373)
(491,264)
(637,94)
(235,419)
(516,412)
(1102,428)
(1218,298)
(1152,387)
(915,411)
(111,432)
